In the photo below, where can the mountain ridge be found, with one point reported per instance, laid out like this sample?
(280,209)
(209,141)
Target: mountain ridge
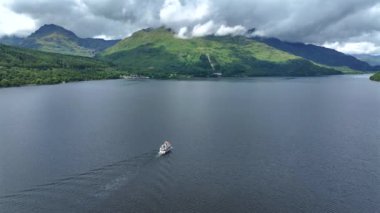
(373,60)
(47,29)
(318,54)
(153,51)
(56,39)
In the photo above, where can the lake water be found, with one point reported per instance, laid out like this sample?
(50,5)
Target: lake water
(240,145)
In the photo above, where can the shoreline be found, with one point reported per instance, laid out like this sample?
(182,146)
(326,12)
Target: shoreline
(190,79)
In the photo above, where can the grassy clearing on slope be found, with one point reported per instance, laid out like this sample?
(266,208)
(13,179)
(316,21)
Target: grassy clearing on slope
(344,70)
(59,43)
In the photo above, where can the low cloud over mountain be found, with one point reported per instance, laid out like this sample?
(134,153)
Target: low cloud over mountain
(348,25)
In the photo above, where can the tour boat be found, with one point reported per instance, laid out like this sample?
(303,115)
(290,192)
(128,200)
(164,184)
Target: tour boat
(165,148)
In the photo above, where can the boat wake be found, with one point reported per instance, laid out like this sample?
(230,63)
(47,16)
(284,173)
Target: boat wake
(147,193)
(77,193)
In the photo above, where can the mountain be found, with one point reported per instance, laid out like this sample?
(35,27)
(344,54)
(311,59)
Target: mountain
(373,60)
(11,40)
(56,39)
(20,66)
(317,54)
(159,53)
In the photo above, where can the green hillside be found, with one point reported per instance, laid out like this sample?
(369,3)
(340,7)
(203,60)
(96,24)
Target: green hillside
(57,43)
(152,52)
(375,77)
(19,66)
(157,52)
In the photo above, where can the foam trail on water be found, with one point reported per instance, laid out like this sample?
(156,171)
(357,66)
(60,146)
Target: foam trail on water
(77,193)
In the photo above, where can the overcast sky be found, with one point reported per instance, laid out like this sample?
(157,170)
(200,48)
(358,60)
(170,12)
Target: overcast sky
(350,26)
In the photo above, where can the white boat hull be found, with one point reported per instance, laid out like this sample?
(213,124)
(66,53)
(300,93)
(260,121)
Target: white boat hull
(163,152)
(165,148)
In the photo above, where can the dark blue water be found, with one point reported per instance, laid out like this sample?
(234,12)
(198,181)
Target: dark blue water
(249,145)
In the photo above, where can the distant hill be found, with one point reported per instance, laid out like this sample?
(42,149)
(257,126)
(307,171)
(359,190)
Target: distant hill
(318,54)
(158,52)
(373,60)
(11,40)
(20,66)
(56,39)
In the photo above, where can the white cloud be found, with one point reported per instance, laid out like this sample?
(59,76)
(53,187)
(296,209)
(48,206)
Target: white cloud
(182,33)
(226,30)
(354,47)
(14,23)
(349,22)
(207,28)
(105,37)
(259,33)
(174,11)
